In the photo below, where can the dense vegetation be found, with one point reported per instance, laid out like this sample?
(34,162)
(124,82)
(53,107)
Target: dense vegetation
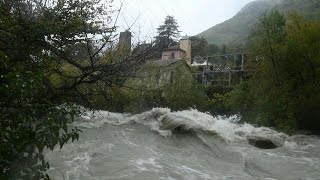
(53,54)
(201,47)
(284,90)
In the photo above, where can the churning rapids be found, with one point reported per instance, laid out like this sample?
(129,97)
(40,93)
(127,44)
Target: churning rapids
(161,144)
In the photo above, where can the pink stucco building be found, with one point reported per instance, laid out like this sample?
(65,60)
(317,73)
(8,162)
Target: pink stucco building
(179,51)
(173,52)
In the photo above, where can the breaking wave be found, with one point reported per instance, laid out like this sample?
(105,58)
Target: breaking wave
(165,144)
(166,122)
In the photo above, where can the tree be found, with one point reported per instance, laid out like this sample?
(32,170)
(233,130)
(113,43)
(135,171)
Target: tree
(302,68)
(199,46)
(42,76)
(268,38)
(168,33)
(266,86)
(213,49)
(284,89)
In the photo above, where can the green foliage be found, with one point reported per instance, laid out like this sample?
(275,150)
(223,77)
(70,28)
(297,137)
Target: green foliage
(184,94)
(240,98)
(218,104)
(29,124)
(219,89)
(200,47)
(34,38)
(284,90)
(268,40)
(217,97)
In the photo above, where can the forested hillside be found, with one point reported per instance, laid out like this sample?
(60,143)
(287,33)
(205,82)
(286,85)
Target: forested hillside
(234,32)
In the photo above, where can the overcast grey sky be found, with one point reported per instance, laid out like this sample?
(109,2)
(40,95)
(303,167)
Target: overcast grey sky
(193,16)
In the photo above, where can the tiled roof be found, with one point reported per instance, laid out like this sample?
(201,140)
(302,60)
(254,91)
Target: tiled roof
(175,47)
(184,37)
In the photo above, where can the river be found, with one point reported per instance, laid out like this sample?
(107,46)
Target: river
(162,144)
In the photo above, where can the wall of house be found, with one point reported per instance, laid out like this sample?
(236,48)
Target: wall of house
(177,54)
(153,77)
(185,44)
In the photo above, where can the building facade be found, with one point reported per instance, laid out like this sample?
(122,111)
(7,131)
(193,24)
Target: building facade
(180,51)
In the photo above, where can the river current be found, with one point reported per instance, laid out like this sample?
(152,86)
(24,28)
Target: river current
(168,145)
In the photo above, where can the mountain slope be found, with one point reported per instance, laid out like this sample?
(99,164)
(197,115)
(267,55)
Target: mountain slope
(235,30)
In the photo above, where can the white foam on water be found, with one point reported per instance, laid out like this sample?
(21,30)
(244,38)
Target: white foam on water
(126,139)
(75,158)
(111,151)
(77,166)
(191,171)
(96,119)
(152,119)
(164,121)
(147,164)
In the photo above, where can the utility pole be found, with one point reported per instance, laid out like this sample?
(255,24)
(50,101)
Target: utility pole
(229,83)
(242,61)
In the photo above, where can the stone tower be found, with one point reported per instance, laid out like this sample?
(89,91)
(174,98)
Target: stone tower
(125,41)
(185,44)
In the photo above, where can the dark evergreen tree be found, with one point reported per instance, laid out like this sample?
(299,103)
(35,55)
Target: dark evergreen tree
(168,33)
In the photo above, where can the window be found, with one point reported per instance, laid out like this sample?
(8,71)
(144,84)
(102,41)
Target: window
(172,55)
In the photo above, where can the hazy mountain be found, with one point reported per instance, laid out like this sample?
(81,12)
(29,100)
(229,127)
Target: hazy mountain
(235,30)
